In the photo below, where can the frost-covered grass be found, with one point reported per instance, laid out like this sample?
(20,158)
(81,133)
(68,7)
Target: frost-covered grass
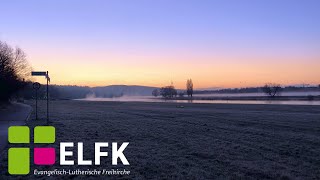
(193,141)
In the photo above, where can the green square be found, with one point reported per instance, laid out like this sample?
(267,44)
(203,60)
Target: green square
(19,134)
(19,161)
(44,134)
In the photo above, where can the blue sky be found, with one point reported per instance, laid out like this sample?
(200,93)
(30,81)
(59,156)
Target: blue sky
(193,32)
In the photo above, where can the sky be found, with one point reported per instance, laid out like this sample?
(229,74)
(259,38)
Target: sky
(217,43)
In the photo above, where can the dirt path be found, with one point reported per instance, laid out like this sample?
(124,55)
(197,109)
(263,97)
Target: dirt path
(12,115)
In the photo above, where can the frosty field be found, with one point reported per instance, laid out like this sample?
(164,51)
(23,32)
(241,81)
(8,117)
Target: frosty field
(193,141)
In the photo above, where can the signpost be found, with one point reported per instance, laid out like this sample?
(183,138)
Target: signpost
(46,74)
(39,73)
(36,86)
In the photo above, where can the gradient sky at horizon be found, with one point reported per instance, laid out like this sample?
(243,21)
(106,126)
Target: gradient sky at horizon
(226,43)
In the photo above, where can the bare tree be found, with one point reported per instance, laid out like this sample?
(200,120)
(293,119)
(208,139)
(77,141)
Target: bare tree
(14,70)
(272,89)
(155,92)
(189,87)
(168,91)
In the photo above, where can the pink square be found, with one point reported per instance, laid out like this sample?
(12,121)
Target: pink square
(44,156)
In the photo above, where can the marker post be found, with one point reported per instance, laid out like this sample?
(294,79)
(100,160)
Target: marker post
(36,87)
(46,74)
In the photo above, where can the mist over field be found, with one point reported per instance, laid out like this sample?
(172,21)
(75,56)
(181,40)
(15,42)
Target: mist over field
(122,90)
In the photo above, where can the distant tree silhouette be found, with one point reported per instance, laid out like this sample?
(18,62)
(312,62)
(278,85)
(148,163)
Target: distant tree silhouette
(189,87)
(168,91)
(155,93)
(271,89)
(14,70)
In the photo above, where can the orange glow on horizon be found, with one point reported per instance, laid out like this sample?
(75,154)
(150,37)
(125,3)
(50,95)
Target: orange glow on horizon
(225,74)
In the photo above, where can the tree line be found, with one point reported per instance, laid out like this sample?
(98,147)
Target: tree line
(16,82)
(270,89)
(171,92)
(14,71)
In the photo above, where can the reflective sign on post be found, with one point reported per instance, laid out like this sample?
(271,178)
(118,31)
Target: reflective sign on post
(46,74)
(39,73)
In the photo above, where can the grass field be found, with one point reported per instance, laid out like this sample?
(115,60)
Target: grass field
(193,141)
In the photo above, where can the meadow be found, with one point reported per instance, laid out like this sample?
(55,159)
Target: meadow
(190,141)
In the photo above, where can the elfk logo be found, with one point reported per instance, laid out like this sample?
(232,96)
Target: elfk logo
(19,157)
